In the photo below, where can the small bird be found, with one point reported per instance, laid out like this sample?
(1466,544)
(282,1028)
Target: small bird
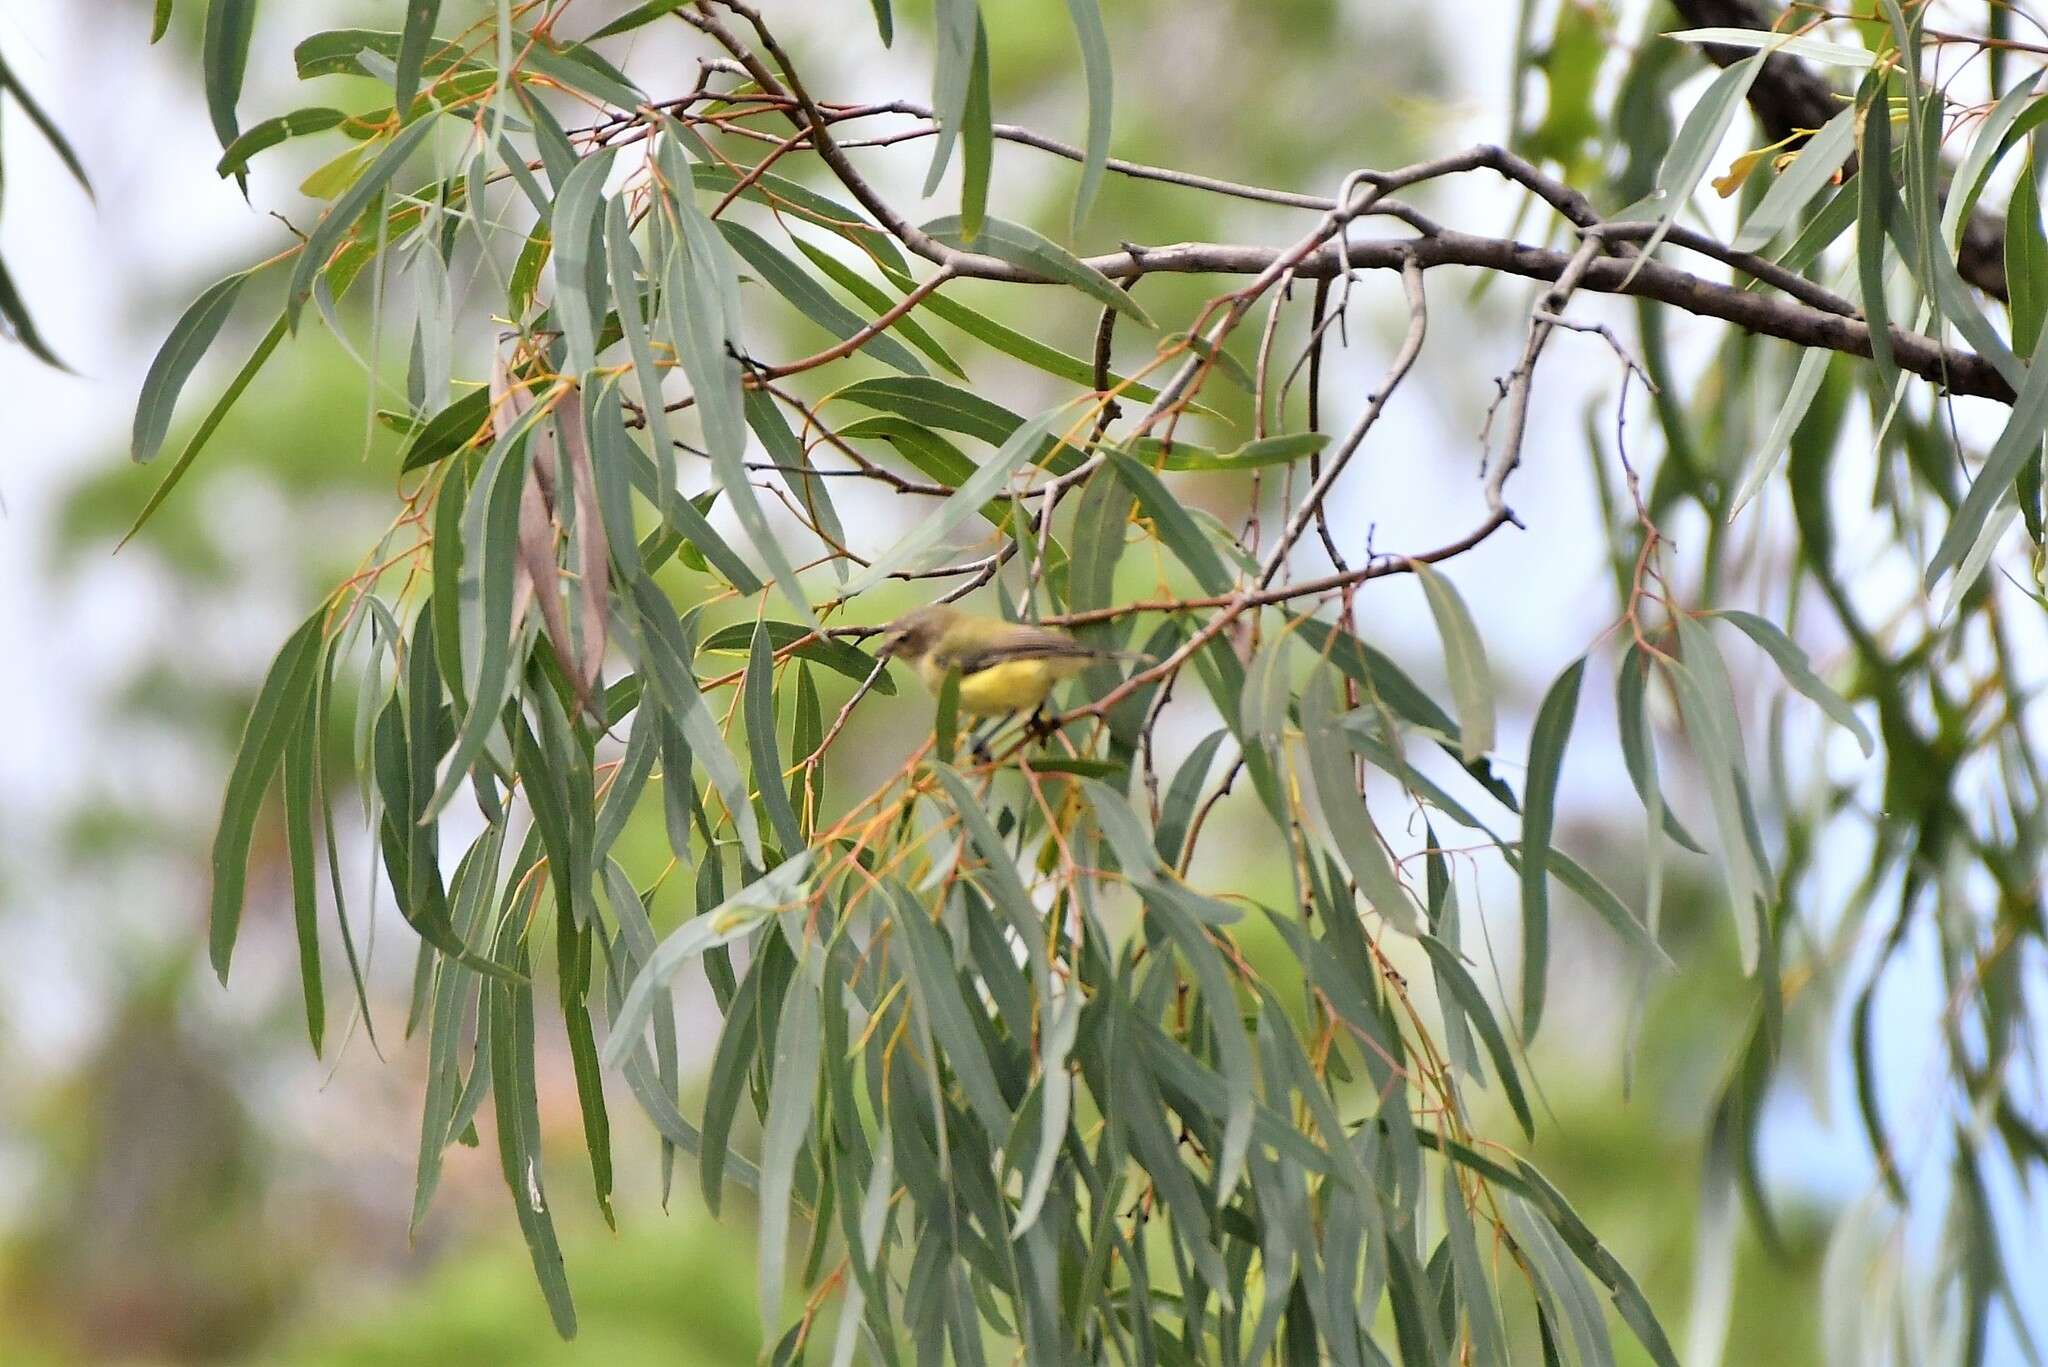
(1004,667)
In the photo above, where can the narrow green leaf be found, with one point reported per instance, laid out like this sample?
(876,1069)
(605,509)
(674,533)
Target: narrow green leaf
(701,306)
(777,890)
(955,23)
(1608,907)
(1993,137)
(1281,450)
(1475,1293)
(18,325)
(1356,840)
(579,264)
(224,57)
(1698,138)
(581,70)
(665,663)
(1027,250)
(1017,345)
(573,956)
(1547,743)
(937,404)
(791,197)
(1792,663)
(783,276)
(1799,184)
(1629,1301)
(1877,193)
(977,140)
(732,1059)
(1638,748)
(759,700)
(879,301)
(1171,521)
(512,1089)
(946,718)
(2017,444)
(638,17)
(1170,911)
(1813,49)
(279,709)
(991,478)
(929,968)
(1177,812)
(2026,260)
(1464,661)
(841,657)
(298,830)
(793,466)
(1710,725)
(474,882)
(448,431)
(190,336)
(1472,1002)
(341,217)
(339,52)
(412,50)
(1763,462)
(490,554)
(1096,67)
(792,1091)
(297,124)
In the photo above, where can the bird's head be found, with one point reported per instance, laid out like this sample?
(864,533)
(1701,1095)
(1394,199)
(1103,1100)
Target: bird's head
(913,635)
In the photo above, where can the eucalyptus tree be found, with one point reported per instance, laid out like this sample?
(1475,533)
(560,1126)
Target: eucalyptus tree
(1021,1072)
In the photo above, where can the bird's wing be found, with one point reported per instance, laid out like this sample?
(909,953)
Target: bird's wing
(1024,643)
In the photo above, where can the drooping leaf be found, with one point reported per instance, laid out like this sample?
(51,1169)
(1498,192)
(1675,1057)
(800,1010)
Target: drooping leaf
(412,50)
(1096,67)
(776,890)
(1799,184)
(1453,974)
(793,1088)
(10,84)
(1356,838)
(988,480)
(1547,743)
(783,276)
(1464,661)
(518,1116)
(1792,663)
(280,708)
(2026,260)
(341,216)
(190,336)
(977,140)
(224,57)
(665,654)
(1170,519)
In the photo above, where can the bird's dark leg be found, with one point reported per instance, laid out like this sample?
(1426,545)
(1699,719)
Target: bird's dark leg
(1038,726)
(978,739)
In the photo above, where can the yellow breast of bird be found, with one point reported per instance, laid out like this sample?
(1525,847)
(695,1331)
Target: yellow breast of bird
(1012,686)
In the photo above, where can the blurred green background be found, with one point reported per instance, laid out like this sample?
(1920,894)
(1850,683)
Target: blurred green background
(179,1180)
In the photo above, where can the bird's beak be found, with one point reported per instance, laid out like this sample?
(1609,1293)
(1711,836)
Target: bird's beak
(891,643)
